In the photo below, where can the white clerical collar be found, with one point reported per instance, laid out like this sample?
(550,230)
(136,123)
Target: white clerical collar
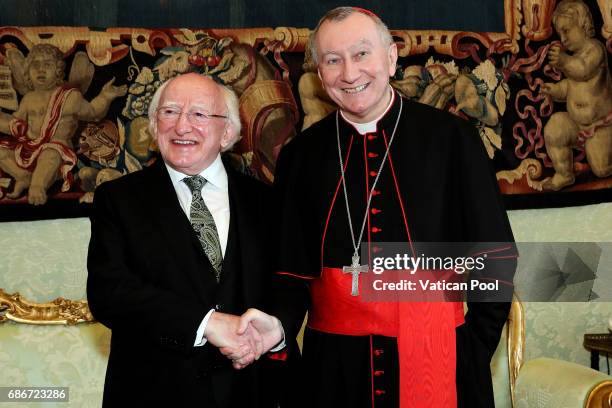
(215,174)
(370,127)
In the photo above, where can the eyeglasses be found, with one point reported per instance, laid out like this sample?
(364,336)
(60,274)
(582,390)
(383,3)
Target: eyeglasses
(171,115)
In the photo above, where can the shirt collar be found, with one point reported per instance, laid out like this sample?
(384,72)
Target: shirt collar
(215,174)
(371,127)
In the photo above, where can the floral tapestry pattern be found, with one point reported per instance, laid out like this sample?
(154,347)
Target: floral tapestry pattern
(74,101)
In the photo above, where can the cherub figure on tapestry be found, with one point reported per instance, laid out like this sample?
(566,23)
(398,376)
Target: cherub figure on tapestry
(587,90)
(479,94)
(37,147)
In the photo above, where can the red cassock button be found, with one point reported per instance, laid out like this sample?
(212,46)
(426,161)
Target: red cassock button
(375,230)
(375,192)
(372,137)
(373,174)
(378,352)
(380,392)
(375,211)
(378,373)
(372,155)
(376,249)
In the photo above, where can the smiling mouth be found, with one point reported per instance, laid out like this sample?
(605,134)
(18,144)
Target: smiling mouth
(356,89)
(184,142)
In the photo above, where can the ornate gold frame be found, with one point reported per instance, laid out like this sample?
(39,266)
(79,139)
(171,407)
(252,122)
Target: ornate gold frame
(515,342)
(59,311)
(600,396)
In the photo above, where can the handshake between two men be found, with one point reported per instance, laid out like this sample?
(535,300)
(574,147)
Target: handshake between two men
(243,339)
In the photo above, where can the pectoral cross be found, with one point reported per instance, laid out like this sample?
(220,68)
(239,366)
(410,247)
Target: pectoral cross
(355,269)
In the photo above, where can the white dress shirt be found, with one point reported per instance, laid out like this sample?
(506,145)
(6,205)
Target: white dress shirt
(216,198)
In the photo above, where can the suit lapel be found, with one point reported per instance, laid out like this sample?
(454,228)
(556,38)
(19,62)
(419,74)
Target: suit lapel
(176,228)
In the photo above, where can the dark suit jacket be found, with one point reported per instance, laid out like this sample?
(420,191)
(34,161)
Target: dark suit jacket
(151,284)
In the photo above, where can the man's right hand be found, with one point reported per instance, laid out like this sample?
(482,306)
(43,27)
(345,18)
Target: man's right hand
(222,331)
(266,329)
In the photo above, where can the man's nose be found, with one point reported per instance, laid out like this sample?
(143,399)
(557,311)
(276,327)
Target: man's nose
(350,71)
(183,125)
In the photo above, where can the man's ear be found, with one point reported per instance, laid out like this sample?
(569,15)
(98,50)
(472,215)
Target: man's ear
(392,55)
(227,135)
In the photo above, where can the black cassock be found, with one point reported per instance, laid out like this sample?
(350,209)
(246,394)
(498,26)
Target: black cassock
(437,186)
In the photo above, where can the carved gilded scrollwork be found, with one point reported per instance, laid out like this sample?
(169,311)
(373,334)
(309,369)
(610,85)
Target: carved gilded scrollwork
(600,396)
(59,311)
(516,342)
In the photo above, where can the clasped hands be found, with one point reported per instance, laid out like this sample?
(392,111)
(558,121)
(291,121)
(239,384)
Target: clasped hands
(243,339)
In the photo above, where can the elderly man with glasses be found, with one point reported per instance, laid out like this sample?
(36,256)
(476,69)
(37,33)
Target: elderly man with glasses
(177,251)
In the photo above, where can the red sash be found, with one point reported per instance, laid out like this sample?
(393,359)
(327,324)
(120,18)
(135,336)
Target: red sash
(425,334)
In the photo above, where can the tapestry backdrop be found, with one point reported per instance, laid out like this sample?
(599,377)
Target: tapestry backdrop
(74,100)
(467,15)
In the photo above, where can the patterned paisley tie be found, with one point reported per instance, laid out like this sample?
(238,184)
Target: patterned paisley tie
(204,224)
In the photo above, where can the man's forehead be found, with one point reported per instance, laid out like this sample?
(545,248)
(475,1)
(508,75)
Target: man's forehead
(347,34)
(191,93)
(194,103)
(351,48)
(192,82)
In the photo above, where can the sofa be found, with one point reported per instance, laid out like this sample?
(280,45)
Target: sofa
(48,337)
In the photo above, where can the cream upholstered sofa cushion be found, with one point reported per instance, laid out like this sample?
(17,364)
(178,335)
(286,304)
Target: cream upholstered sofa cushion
(551,383)
(56,356)
(44,260)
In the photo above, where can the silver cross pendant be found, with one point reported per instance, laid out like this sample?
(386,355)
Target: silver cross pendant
(355,269)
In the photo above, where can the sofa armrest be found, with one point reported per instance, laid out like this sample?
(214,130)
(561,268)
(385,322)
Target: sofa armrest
(546,382)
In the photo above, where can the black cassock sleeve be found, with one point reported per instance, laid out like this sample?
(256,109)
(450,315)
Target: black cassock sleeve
(297,260)
(486,225)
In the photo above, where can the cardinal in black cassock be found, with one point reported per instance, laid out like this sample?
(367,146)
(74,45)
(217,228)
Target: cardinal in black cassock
(379,170)
(435,184)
